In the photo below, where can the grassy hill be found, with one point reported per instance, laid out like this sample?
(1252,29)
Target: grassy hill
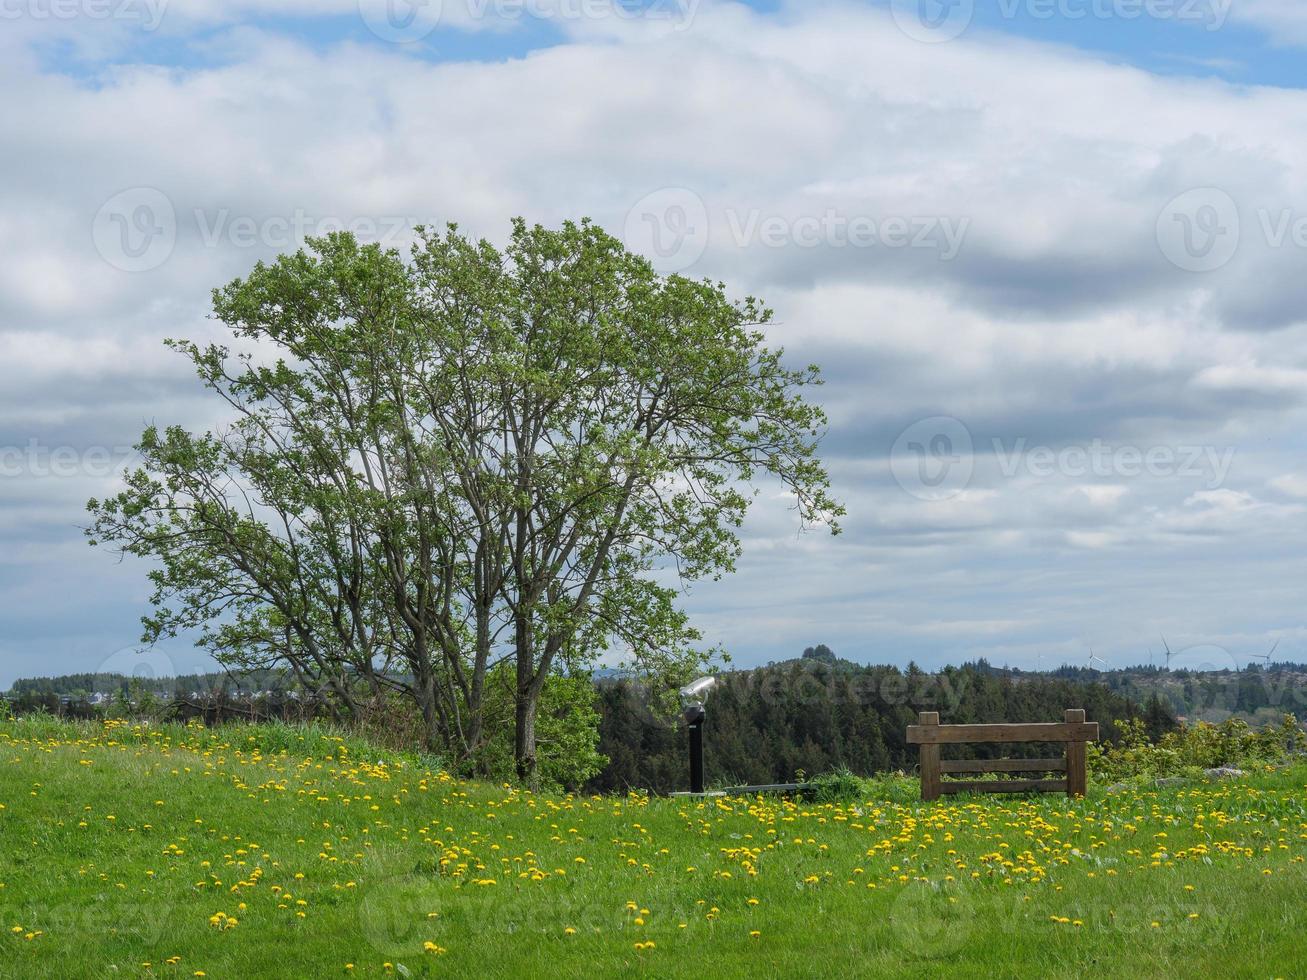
(273,851)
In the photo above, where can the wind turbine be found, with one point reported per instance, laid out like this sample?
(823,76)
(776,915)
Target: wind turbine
(1265,658)
(1092,658)
(1169,654)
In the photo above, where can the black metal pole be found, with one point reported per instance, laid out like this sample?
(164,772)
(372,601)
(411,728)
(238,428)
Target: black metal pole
(695,718)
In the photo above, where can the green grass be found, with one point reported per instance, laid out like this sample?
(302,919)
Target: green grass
(117,847)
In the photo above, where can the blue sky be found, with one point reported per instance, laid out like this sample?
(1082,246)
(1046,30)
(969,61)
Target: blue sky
(1048,253)
(1196,38)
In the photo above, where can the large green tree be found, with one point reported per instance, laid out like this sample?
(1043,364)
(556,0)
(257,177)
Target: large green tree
(471,457)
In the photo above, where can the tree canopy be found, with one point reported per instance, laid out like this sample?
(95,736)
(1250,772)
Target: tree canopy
(471,457)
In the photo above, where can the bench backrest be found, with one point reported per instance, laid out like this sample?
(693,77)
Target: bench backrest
(1073,730)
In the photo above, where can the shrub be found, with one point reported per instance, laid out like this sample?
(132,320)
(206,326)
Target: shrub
(839,786)
(567,731)
(1193,747)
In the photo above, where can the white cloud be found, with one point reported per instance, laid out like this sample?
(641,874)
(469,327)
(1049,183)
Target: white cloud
(1059,322)
(1252,377)
(1285,21)
(1292,484)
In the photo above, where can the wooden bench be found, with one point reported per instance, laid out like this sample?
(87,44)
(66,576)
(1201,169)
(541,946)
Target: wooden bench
(1073,730)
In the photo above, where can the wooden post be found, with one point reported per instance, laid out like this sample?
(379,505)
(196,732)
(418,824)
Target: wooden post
(929,759)
(1076,779)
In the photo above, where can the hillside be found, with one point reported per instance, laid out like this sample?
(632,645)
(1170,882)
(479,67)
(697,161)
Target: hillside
(270,851)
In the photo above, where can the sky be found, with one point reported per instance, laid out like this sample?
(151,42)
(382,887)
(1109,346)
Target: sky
(1050,255)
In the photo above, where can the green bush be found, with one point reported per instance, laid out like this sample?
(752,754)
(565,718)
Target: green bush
(567,731)
(840,786)
(1186,750)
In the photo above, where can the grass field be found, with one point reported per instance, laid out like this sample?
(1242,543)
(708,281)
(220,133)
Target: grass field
(168,852)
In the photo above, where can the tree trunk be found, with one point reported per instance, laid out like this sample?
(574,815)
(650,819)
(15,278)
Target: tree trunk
(431,728)
(476,703)
(524,728)
(525,743)
(435,737)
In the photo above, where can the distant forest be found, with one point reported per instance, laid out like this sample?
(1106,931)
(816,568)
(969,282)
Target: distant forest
(773,724)
(184,685)
(810,716)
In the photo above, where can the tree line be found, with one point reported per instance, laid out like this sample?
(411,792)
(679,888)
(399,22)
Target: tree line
(808,715)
